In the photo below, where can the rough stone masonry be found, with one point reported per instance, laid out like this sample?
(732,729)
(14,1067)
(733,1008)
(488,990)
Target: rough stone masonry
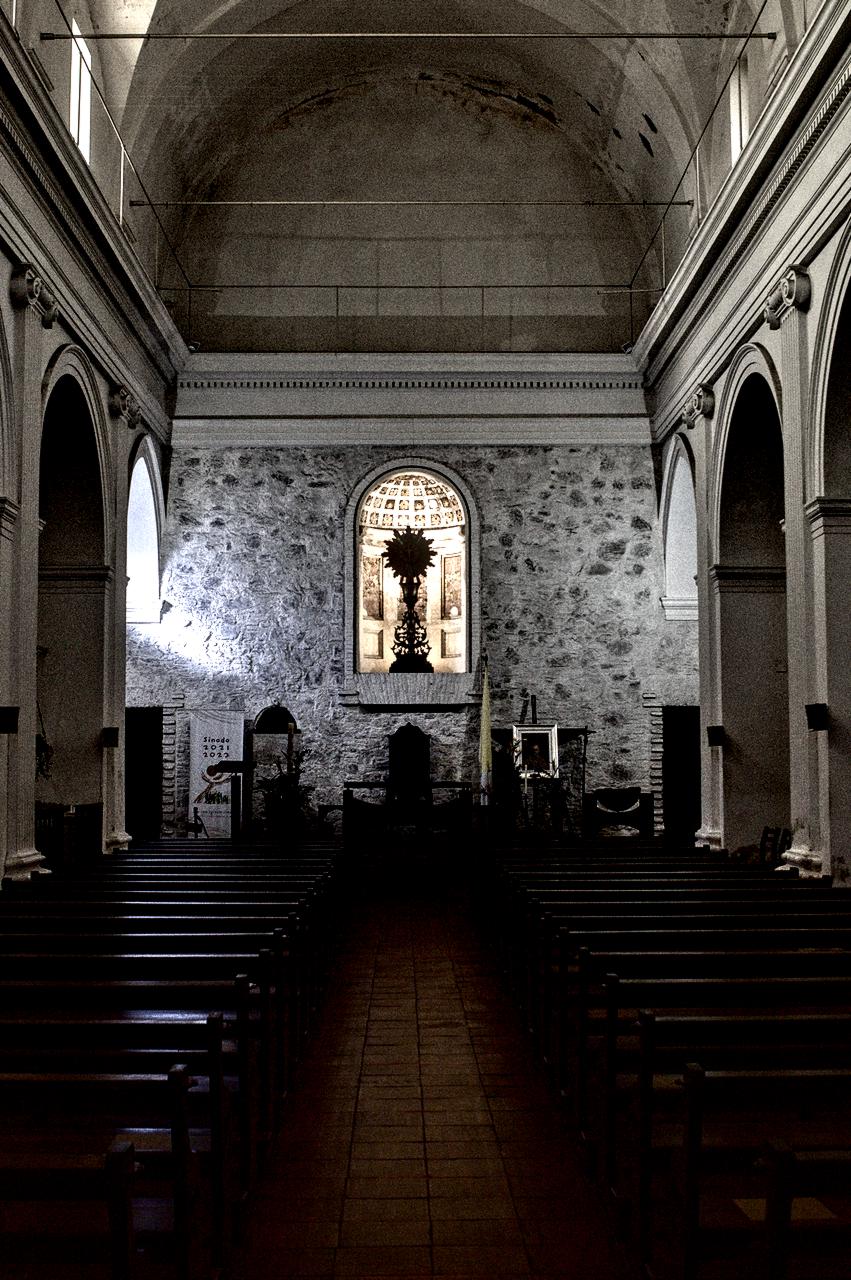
(571,580)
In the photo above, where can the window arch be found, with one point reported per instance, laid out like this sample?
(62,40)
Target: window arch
(143,540)
(680,536)
(426,496)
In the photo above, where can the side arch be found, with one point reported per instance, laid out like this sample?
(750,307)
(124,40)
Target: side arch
(837,292)
(145,526)
(72,361)
(678,513)
(9,464)
(748,360)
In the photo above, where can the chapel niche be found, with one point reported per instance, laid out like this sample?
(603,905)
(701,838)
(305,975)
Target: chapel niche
(425,502)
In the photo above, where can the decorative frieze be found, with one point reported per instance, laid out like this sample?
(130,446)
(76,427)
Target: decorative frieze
(28,289)
(792,292)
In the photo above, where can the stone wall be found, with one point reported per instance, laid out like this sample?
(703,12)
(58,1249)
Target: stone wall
(571,578)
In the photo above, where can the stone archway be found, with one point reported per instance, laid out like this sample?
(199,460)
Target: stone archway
(830,521)
(74,583)
(749,583)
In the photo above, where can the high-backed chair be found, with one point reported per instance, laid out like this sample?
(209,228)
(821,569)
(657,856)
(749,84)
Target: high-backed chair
(408,806)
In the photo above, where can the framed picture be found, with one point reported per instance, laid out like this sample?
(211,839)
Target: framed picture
(536,749)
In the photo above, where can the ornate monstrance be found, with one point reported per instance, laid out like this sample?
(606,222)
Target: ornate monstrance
(409,555)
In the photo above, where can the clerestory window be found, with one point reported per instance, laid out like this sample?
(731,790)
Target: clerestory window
(80,118)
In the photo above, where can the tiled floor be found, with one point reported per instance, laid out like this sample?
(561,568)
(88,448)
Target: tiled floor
(421,1139)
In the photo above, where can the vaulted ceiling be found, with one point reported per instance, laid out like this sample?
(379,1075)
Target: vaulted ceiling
(545,124)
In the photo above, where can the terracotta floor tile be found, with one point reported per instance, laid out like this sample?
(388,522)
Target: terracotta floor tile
(382,1232)
(386,1210)
(472,1207)
(476,1231)
(480,1260)
(419,1138)
(376,1260)
(389,1187)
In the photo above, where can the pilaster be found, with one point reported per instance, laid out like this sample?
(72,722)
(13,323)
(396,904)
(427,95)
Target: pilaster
(697,417)
(35,311)
(830,529)
(786,309)
(124,410)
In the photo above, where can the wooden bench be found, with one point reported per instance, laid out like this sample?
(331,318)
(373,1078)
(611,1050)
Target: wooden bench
(807,1213)
(58,1208)
(730,1117)
(166,1117)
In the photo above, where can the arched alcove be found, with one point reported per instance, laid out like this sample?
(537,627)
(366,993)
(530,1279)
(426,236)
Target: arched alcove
(73,587)
(750,588)
(428,504)
(452,591)
(679,524)
(144,525)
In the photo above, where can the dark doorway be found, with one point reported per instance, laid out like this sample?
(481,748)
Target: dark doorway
(143,772)
(681,772)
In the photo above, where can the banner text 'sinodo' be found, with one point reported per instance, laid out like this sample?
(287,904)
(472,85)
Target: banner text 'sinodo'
(214,735)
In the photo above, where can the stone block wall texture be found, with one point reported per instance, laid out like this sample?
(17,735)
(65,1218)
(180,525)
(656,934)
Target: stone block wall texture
(571,580)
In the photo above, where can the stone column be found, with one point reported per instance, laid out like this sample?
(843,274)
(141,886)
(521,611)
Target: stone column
(786,309)
(697,418)
(125,413)
(36,311)
(830,522)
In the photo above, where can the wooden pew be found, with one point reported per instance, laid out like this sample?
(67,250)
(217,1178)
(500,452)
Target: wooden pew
(807,1214)
(73,1209)
(651,1112)
(164,1116)
(730,1117)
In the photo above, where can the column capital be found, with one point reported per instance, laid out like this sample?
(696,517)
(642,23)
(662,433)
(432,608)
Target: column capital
(123,404)
(701,403)
(792,292)
(28,289)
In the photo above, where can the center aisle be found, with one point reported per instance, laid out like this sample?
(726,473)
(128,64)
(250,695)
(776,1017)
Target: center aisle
(421,1138)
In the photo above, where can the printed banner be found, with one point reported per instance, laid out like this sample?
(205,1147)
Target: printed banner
(214,735)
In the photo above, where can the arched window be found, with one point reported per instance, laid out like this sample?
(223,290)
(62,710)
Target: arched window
(427,503)
(427,497)
(680,533)
(143,546)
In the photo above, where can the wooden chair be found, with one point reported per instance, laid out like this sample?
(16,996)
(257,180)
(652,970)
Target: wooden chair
(408,807)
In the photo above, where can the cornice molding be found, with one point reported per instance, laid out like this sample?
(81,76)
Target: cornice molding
(748,579)
(723,241)
(28,289)
(103,250)
(408,432)
(434,399)
(425,382)
(793,292)
(829,515)
(79,579)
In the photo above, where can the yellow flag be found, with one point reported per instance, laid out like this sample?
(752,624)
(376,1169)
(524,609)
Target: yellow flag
(485,748)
